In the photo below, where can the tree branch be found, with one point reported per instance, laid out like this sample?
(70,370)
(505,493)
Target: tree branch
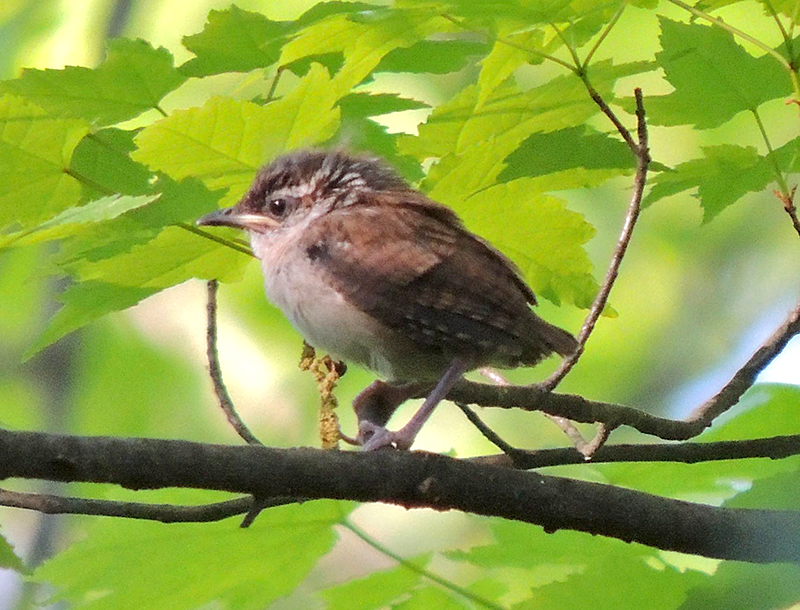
(775,447)
(580,409)
(411,479)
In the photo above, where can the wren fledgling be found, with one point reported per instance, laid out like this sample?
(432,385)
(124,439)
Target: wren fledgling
(369,269)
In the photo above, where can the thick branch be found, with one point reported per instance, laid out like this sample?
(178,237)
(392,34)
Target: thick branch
(411,479)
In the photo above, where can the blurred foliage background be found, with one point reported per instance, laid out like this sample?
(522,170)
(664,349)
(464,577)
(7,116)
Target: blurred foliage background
(693,299)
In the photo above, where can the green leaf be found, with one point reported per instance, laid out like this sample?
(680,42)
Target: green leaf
(9,559)
(552,556)
(116,281)
(84,303)
(377,590)
(567,149)
(433,597)
(186,566)
(504,59)
(102,163)
(363,45)
(225,141)
(367,104)
(722,176)
(432,56)
(508,115)
(714,77)
(234,40)
(35,150)
(71,219)
(535,230)
(747,586)
(132,79)
(646,587)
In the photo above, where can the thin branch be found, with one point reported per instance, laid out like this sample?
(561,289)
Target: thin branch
(214,371)
(573,53)
(215,238)
(746,376)
(411,479)
(776,170)
(165,513)
(601,103)
(642,163)
(578,408)
(776,447)
(786,38)
(490,434)
(566,426)
(788,205)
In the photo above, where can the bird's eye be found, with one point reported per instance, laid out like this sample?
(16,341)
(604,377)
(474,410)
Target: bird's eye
(278,207)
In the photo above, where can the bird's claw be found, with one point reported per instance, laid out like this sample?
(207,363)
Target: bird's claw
(373,437)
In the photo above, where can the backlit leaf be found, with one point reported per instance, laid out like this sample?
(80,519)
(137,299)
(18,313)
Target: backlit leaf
(131,80)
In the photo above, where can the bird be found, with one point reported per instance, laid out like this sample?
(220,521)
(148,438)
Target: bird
(369,269)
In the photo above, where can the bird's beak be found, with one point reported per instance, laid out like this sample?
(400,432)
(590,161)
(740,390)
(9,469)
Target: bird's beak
(233,217)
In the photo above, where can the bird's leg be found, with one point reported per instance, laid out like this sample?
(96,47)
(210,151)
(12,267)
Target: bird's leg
(374,435)
(376,403)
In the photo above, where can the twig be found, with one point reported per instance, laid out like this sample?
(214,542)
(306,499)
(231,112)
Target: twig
(225,402)
(642,154)
(788,205)
(601,103)
(490,434)
(566,426)
(589,449)
(746,376)
(776,447)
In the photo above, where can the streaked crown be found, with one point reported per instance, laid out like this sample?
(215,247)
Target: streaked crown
(314,176)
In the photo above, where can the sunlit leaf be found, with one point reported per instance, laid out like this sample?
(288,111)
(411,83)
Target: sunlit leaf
(432,56)
(747,586)
(234,40)
(70,220)
(131,79)
(224,142)
(35,150)
(713,76)
(722,176)
(374,591)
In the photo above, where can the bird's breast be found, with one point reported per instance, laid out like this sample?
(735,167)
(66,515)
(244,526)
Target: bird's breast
(295,283)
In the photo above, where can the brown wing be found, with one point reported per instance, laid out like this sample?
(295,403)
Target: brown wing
(420,272)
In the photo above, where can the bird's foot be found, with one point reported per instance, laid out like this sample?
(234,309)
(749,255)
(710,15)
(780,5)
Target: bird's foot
(372,437)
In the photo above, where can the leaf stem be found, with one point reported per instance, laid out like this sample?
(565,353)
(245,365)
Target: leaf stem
(274,85)
(516,45)
(571,50)
(375,544)
(606,31)
(786,38)
(784,188)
